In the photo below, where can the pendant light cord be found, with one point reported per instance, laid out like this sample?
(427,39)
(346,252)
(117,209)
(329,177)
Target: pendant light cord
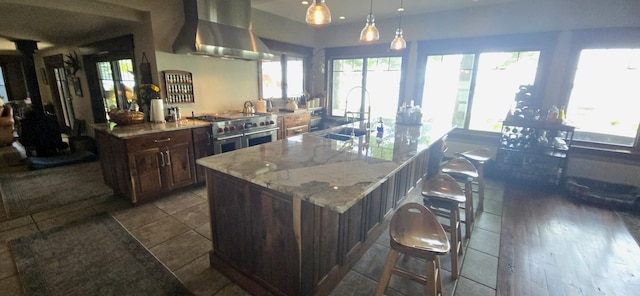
(371,8)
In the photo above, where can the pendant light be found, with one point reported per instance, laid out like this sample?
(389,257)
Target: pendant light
(399,43)
(318,14)
(370,32)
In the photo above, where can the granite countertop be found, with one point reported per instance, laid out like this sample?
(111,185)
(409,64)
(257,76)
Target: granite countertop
(134,130)
(328,173)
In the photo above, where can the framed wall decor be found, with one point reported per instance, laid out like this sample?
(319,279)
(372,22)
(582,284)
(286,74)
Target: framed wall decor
(77,86)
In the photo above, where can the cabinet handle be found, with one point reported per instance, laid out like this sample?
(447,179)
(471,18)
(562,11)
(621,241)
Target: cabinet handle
(209,138)
(163,140)
(162,164)
(168,157)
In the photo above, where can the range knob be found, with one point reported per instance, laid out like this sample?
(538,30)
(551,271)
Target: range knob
(271,122)
(261,123)
(233,128)
(254,125)
(219,129)
(226,129)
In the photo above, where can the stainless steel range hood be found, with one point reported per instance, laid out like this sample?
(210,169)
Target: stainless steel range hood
(220,28)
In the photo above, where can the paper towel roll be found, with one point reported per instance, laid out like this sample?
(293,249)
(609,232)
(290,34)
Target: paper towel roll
(157,110)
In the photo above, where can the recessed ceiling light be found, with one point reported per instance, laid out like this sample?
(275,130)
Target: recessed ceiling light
(400,9)
(305,2)
(342,17)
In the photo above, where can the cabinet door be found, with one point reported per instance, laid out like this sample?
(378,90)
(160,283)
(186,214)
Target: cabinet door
(281,128)
(179,166)
(146,172)
(107,159)
(202,147)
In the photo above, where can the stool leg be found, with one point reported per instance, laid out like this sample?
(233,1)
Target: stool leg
(433,276)
(456,246)
(480,188)
(438,276)
(468,208)
(386,272)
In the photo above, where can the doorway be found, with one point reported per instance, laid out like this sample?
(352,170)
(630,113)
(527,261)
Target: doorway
(61,98)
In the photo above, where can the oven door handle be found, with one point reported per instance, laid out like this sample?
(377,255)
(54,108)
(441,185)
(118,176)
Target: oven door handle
(226,138)
(261,131)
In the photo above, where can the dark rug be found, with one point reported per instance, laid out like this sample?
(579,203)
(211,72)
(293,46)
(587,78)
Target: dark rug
(29,192)
(632,222)
(94,256)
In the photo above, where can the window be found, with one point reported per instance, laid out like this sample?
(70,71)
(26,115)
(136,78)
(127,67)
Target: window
(283,77)
(471,83)
(3,87)
(117,82)
(359,83)
(604,101)
(451,94)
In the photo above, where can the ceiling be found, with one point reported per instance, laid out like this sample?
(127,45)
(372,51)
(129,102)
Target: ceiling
(58,25)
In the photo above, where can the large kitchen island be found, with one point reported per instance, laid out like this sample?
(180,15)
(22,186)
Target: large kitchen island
(292,217)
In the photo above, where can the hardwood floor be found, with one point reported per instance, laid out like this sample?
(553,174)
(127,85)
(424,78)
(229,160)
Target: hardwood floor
(553,246)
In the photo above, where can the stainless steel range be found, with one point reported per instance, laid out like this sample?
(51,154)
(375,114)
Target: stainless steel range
(233,131)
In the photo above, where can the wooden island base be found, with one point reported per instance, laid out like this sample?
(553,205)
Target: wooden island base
(270,243)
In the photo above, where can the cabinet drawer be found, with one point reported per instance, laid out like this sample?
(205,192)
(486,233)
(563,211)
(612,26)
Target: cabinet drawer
(297,119)
(158,140)
(296,130)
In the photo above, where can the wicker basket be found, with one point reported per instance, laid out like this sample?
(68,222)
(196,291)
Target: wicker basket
(124,117)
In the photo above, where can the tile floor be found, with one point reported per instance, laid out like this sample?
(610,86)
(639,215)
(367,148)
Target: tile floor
(176,230)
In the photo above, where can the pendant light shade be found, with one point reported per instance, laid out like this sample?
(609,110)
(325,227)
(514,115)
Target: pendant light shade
(399,43)
(318,14)
(370,32)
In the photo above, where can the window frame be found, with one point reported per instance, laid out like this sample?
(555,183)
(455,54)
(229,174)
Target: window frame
(544,42)
(284,50)
(597,39)
(364,52)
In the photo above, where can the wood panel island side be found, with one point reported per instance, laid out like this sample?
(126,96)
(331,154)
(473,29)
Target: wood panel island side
(293,216)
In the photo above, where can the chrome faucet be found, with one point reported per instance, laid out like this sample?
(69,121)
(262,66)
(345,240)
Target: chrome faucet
(361,112)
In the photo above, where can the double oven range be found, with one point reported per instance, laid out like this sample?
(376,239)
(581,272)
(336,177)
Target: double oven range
(234,131)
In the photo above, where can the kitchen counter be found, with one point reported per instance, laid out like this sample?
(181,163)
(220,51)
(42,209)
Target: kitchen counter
(292,217)
(134,130)
(326,172)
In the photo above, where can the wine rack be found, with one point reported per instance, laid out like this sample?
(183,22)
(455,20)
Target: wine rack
(178,86)
(534,150)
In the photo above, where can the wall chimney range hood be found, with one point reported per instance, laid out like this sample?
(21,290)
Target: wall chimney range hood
(219,28)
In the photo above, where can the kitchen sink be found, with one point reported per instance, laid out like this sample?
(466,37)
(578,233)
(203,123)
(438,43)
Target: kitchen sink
(344,134)
(347,131)
(339,137)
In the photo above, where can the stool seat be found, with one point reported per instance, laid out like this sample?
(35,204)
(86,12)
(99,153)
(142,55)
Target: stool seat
(460,166)
(415,231)
(443,186)
(477,155)
(443,196)
(463,170)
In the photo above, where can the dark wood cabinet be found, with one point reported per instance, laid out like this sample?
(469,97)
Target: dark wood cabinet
(146,166)
(202,147)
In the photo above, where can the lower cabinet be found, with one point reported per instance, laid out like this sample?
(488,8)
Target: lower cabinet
(146,166)
(293,124)
(202,147)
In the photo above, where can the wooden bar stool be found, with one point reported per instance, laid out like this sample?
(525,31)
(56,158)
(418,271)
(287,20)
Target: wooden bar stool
(443,196)
(464,171)
(478,157)
(416,232)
